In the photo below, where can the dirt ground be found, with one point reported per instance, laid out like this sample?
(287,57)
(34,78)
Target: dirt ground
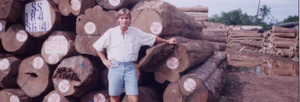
(250,87)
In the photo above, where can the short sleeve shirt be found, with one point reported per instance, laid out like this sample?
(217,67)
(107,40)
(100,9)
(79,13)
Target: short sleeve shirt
(123,48)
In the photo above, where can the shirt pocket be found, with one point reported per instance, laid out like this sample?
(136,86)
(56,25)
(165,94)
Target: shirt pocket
(133,47)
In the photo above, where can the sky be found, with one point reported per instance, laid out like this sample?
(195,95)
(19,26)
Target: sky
(280,9)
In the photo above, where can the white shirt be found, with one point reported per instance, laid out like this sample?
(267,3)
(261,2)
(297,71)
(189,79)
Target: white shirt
(123,48)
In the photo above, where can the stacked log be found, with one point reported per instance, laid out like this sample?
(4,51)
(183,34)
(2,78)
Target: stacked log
(216,34)
(199,13)
(282,42)
(241,39)
(203,83)
(47,54)
(279,68)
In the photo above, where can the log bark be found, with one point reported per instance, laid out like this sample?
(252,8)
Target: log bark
(54,96)
(41,18)
(278,29)
(215,35)
(257,44)
(168,61)
(74,76)
(219,46)
(198,8)
(283,44)
(203,83)
(34,76)
(10,10)
(76,7)
(14,95)
(173,21)
(274,39)
(211,25)
(83,44)
(59,45)
(285,35)
(96,96)
(198,16)
(95,21)
(117,4)
(8,72)
(17,41)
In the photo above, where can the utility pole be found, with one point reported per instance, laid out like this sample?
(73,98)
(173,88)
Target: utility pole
(256,21)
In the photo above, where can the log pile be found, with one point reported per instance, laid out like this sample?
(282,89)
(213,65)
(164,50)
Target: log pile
(242,39)
(279,68)
(216,34)
(199,13)
(48,55)
(282,42)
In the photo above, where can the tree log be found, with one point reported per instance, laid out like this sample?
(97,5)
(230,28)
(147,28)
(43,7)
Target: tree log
(75,7)
(211,25)
(218,46)
(257,44)
(117,4)
(59,45)
(285,35)
(215,35)
(283,44)
(173,21)
(274,39)
(34,76)
(198,16)
(83,44)
(74,76)
(168,61)
(203,83)
(54,96)
(278,29)
(41,17)
(14,95)
(10,10)
(198,8)
(96,96)
(95,21)
(9,71)
(17,41)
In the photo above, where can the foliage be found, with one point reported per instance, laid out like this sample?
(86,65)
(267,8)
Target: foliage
(291,19)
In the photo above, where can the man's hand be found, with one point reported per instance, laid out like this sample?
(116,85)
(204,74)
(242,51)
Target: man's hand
(172,41)
(108,63)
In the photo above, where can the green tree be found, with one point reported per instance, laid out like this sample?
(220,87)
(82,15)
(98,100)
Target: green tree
(264,11)
(291,19)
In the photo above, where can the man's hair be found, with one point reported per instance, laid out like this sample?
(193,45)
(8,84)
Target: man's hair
(124,11)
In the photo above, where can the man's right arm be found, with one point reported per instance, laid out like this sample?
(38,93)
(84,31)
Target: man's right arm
(105,61)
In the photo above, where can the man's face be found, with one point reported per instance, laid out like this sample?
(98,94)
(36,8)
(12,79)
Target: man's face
(124,20)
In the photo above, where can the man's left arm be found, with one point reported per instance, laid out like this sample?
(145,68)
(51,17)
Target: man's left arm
(169,41)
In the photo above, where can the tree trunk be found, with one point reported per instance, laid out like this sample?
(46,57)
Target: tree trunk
(215,35)
(75,7)
(257,44)
(96,96)
(34,76)
(274,39)
(278,29)
(168,20)
(117,4)
(95,21)
(54,96)
(74,76)
(194,9)
(283,44)
(41,17)
(14,95)
(17,41)
(198,16)
(218,46)
(168,61)
(8,72)
(10,10)
(60,44)
(285,35)
(83,44)
(203,83)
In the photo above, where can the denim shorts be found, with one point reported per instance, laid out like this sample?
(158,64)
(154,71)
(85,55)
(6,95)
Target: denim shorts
(122,74)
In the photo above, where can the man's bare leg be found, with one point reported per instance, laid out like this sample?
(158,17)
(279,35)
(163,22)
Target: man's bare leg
(115,98)
(133,98)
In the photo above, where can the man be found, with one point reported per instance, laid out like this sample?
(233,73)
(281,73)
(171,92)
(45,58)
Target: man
(122,44)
